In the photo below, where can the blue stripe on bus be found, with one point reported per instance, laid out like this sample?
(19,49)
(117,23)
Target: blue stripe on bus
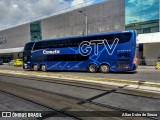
(100,53)
(76,65)
(64,65)
(54,65)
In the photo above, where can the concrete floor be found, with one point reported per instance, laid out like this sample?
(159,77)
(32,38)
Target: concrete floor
(144,73)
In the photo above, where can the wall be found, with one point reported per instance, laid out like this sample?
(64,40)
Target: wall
(16,36)
(102,17)
(151,51)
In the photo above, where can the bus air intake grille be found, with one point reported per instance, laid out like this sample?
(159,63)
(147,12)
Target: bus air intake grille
(123,64)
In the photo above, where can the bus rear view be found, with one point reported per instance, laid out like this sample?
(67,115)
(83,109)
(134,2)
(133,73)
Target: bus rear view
(105,52)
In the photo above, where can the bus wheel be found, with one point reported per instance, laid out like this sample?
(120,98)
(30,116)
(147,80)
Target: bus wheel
(43,68)
(104,69)
(35,67)
(92,68)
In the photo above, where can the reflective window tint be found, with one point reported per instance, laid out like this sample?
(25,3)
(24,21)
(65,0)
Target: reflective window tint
(68,57)
(75,42)
(123,38)
(50,44)
(89,38)
(142,15)
(39,58)
(39,45)
(79,57)
(29,46)
(35,30)
(58,43)
(109,38)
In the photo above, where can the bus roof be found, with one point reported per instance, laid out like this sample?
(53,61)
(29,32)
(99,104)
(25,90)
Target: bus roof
(82,36)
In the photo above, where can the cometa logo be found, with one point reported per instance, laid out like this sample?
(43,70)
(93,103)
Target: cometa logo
(51,52)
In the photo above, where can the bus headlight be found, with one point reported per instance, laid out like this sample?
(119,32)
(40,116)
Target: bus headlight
(25,65)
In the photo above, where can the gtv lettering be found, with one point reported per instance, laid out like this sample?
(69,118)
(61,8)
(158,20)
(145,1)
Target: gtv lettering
(85,47)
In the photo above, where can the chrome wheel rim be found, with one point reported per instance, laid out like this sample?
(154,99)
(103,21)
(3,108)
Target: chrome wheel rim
(43,68)
(92,68)
(35,67)
(104,68)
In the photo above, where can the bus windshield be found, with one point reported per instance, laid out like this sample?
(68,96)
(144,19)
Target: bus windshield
(29,46)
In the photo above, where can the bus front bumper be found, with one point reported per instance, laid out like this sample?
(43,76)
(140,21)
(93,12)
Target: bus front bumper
(26,66)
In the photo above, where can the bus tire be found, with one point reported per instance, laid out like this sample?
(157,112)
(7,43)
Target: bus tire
(104,69)
(43,68)
(92,68)
(35,67)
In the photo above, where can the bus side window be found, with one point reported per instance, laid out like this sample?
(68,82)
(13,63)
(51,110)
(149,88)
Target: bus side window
(51,44)
(65,43)
(74,42)
(71,43)
(109,38)
(62,44)
(69,58)
(88,39)
(123,38)
(80,57)
(38,45)
(78,41)
(29,46)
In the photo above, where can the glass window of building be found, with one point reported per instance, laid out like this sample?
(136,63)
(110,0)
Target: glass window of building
(142,15)
(35,30)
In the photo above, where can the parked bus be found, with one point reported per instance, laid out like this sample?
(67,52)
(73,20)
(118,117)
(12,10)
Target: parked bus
(105,52)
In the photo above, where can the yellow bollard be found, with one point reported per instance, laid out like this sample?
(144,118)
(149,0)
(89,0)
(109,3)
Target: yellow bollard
(158,65)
